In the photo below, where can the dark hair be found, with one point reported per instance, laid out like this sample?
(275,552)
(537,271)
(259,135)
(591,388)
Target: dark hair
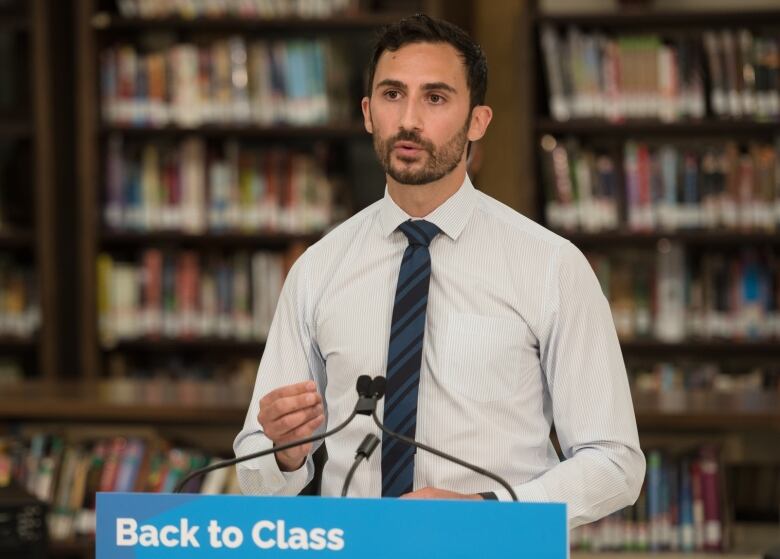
(421,28)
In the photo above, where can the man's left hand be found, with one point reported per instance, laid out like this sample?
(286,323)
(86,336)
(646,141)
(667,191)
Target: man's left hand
(433,493)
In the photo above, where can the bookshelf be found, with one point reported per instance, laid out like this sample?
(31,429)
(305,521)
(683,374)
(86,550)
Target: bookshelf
(601,124)
(27,186)
(102,32)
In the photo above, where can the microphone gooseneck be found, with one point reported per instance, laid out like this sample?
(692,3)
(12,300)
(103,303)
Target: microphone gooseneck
(363,386)
(369,392)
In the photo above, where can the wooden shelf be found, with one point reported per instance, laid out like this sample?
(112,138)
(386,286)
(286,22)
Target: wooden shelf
(707,410)
(82,548)
(113,240)
(709,127)
(282,131)
(708,348)
(200,402)
(16,240)
(716,237)
(147,402)
(681,20)
(105,22)
(15,129)
(200,345)
(14,22)
(16,344)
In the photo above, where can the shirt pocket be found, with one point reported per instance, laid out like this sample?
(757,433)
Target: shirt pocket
(483,356)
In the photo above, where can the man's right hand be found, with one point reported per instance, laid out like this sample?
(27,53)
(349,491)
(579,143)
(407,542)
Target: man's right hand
(289,413)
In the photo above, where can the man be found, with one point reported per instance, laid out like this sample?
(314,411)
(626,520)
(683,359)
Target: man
(488,327)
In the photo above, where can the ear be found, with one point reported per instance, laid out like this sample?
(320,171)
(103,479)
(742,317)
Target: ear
(365,104)
(481,115)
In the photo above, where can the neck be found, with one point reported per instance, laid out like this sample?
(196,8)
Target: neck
(418,200)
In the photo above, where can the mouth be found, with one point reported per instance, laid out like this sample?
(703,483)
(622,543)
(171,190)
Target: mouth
(407,148)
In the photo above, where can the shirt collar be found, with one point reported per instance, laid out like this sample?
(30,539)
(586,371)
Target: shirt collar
(451,217)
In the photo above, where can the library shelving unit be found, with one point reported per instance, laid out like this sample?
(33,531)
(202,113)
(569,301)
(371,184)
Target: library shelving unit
(741,424)
(100,26)
(27,183)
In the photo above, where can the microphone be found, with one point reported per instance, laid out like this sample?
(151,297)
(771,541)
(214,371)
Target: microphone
(378,386)
(364,406)
(370,392)
(363,453)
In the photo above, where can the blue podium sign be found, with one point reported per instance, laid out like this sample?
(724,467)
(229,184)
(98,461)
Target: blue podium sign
(162,526)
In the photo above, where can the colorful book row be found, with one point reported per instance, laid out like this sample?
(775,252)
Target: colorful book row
(628,76)
(705,377)
(671,296)
(191,9)
(68,474)
(662,186)
(193,188)
(680,508)
(744,72)
(186,295)
(592,75)
(296,82)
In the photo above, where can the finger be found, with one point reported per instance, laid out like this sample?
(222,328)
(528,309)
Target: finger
(290,404)
(423,493)
(287,423)
(304,431)
(291,390)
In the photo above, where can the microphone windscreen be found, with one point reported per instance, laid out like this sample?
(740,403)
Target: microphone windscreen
(363,385)
(378,386)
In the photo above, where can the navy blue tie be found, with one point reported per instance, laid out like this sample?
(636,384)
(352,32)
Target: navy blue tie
(404,356)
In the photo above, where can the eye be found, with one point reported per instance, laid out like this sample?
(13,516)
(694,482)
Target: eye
(436,99)
(391,94)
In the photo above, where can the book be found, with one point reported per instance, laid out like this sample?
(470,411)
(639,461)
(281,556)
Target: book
(67,472)
(699,294)
(227,81)
(593,75)
(257,9)
(660,76)
(724,184)
(192,187)
(184,295)
(670,513)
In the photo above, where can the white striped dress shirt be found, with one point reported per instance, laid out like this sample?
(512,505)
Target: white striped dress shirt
(518,336)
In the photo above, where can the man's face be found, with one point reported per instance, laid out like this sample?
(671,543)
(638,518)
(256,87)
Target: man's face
(419,112)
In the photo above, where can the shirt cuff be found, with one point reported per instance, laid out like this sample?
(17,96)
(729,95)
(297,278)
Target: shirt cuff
(268,478)
(529,492)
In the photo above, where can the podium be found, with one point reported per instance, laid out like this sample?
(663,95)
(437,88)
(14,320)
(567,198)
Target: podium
(161,526)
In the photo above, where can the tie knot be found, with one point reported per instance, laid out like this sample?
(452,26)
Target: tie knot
(419,232)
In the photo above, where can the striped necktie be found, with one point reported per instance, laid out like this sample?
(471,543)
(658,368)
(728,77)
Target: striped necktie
(404,356)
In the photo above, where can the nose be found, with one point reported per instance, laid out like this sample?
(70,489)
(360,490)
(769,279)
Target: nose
(411,116)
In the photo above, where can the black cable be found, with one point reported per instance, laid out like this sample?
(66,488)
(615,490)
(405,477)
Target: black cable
(272,450)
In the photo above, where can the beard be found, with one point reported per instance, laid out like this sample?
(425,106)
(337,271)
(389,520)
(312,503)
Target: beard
(440,161)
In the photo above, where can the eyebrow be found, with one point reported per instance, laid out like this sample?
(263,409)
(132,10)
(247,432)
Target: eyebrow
(427,87)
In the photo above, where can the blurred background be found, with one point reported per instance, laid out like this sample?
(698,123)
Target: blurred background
(163,163)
